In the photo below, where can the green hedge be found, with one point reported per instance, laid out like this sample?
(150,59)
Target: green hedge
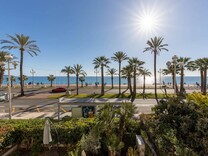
(30,132)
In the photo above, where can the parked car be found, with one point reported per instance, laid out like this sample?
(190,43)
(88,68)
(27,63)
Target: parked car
(58,90)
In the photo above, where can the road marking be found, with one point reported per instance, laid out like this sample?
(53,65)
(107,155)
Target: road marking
(63,110)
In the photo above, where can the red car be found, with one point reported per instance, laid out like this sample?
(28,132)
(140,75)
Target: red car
(58,90)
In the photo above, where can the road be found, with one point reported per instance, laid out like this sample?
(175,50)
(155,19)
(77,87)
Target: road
(47,106)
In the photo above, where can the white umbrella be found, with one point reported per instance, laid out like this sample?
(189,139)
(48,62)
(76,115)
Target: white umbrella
(47,133)
(83,153)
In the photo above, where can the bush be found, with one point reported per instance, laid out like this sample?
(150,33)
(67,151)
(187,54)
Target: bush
(198,98)
(179,126)
(30,132)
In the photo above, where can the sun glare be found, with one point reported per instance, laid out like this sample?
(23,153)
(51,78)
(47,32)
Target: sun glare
(148,23)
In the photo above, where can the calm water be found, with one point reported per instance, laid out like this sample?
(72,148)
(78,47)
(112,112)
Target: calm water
(107,80)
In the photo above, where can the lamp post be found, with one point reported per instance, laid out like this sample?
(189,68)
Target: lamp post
(96,72)
(174,58)
(32,72)
(8,59)
(160,72)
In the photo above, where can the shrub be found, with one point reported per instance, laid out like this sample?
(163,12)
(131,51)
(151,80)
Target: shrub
(198,98)
(179,126)
(30,132)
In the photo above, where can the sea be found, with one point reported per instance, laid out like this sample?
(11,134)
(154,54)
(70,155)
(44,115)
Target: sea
(107,80)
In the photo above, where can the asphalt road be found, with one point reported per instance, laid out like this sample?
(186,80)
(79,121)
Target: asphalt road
(51,105)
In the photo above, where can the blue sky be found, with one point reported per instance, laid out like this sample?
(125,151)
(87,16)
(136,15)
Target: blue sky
(76,31)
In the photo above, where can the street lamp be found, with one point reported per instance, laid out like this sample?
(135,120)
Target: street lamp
(96,72)
(32,72)
(8,59)
(160,72)
(174,58)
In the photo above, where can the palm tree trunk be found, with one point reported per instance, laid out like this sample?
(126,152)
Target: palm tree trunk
(51,83)
(130,87)
(112,81)
(102,81)
(134,81)
(182,81)
(173,80)
(144,87)
(21,73)
(202,80)
(68,80)
(1,75)
(155,75)
(82,84)
(77,84)
(119,77)
(205,81)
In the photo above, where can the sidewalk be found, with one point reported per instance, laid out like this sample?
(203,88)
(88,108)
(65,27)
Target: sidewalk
(33,115)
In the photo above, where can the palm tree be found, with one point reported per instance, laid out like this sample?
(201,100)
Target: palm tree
(144,73)
(77,70)
(12,79)
(170,70)
(155,46)
(205,76)
(119,57)
(2,69)
(24,78)
(184,63)
(51,78)
(24,44)
(101,62)
(82,79)
(127,73)
(111,72)
(137,66)
(202,65)
(68,71)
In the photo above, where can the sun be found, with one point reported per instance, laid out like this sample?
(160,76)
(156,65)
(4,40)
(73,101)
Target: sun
(148,23)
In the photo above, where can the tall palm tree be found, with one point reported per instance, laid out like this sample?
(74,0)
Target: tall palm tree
(24,44)
(82,79)
(137,66)
(77,70)
(51,78)
(111,72)
(202,65)
(2,69)
(144,72)
(119,57)
(101,62)
(184,63)
(24,78)
(127,73)
(12,79)
(205,76)
(67,70)
(155,46)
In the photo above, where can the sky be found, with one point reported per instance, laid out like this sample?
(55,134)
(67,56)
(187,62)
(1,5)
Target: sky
(72,32)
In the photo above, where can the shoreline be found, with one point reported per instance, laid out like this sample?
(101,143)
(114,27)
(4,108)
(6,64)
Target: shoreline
(123,86)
